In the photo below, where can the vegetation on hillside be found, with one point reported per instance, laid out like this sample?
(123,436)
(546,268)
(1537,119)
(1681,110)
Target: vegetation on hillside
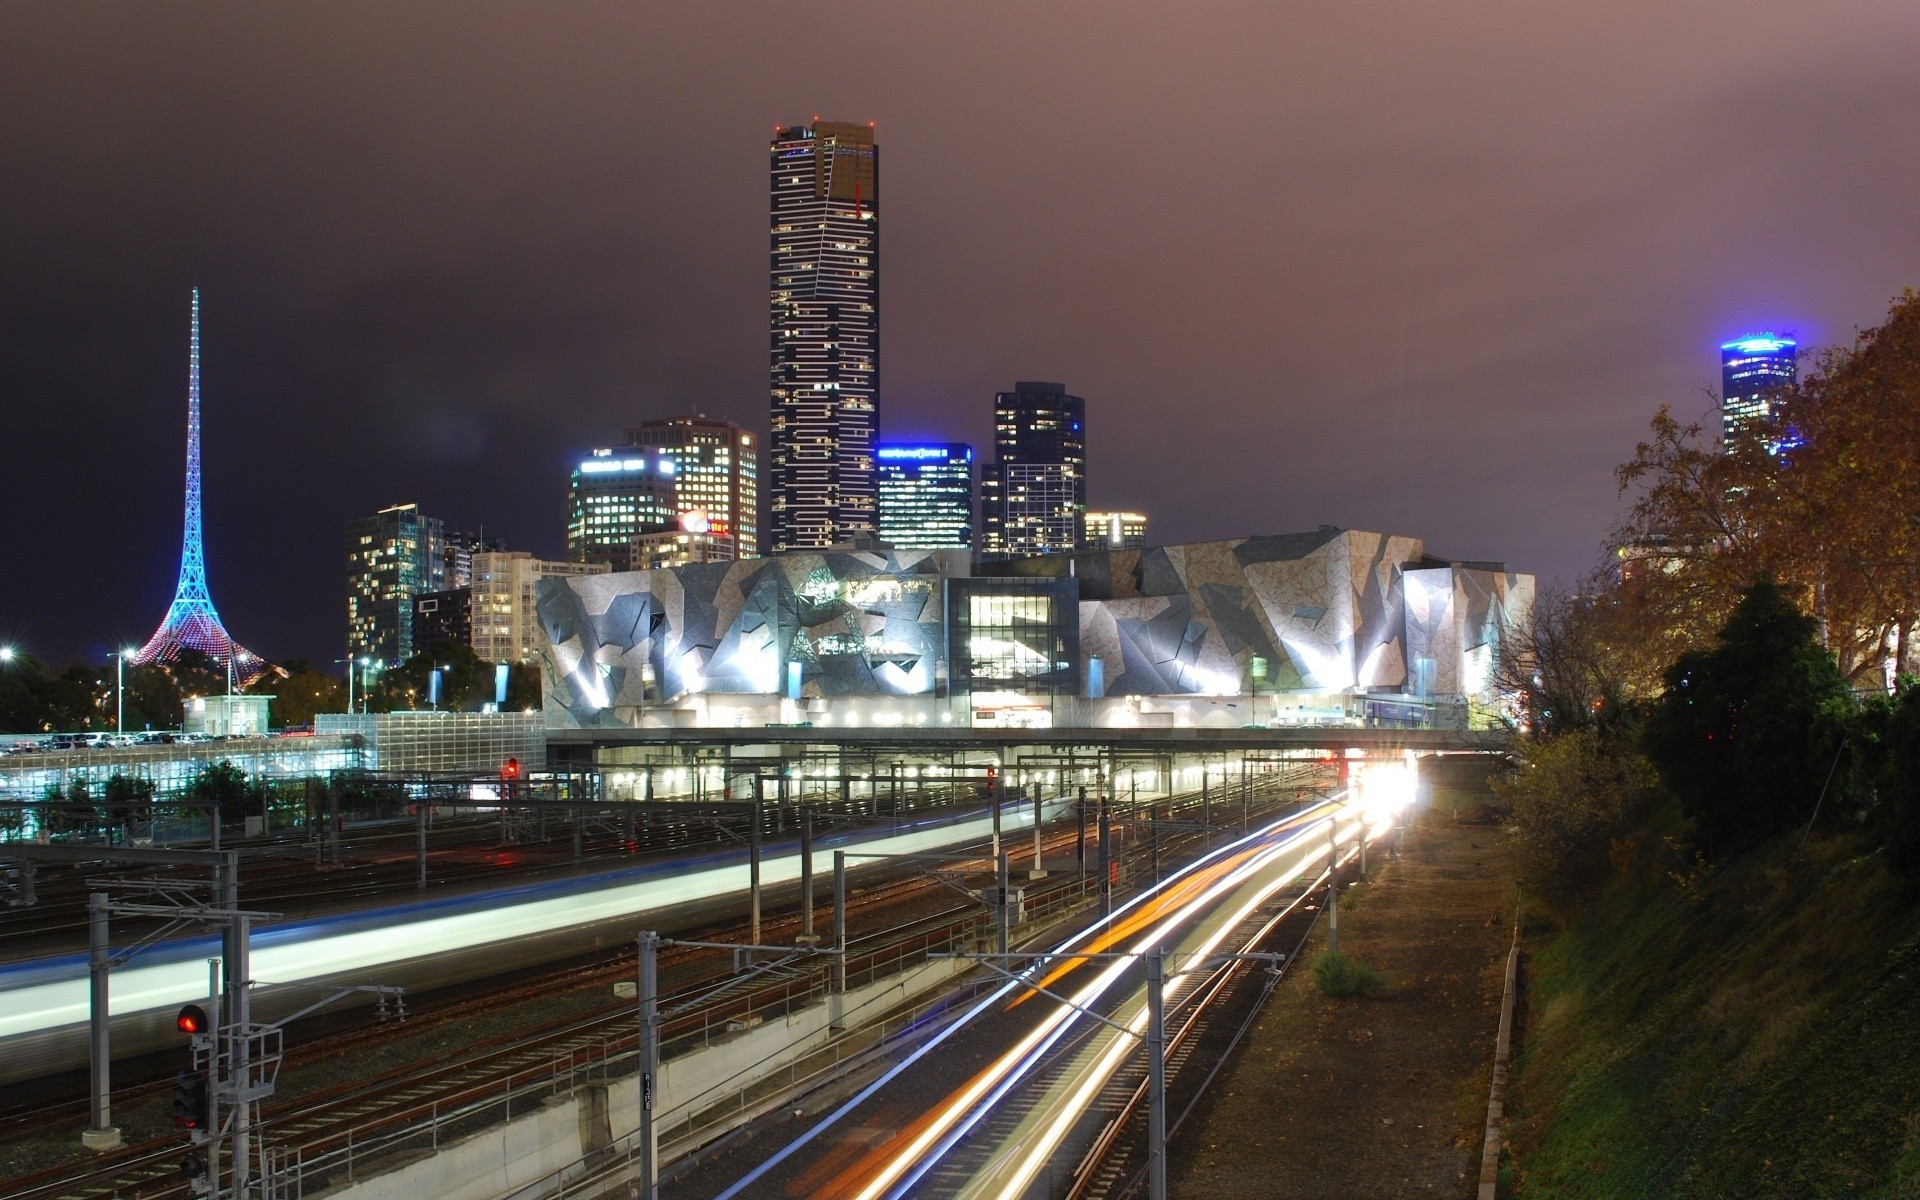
(1717,814)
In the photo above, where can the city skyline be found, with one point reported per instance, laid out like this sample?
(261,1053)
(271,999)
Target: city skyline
(455,315)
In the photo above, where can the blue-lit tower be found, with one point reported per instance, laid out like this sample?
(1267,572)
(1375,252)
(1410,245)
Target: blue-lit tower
(192,623)
(1751,367)
(926,495)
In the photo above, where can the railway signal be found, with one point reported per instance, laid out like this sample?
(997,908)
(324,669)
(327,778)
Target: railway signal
(192,1020)
(190,1100)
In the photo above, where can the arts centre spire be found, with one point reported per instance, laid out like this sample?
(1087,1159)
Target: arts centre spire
(192,623)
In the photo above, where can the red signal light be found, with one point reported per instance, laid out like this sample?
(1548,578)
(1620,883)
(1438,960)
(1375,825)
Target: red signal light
(192,1019)
(510,769)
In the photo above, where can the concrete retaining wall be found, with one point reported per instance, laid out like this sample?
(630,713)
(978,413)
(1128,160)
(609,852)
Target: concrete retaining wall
(532,1148)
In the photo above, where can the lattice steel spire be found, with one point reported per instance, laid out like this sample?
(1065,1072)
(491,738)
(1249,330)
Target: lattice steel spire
(191,622)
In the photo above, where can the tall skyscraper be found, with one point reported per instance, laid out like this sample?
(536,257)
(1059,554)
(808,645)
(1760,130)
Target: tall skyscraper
(716,475)
(192,622)
(1033,495)
(616,495)
(926,495)
(392,556)
(1750,367)
(825,332)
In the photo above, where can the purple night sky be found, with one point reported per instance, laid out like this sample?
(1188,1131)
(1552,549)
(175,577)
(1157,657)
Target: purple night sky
(1411,267)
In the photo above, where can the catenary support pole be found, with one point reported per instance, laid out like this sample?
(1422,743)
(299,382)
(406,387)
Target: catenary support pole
(1002,909)
(100,1134)
(1333,890)
(839,994)
(1156,1075)
(420,844)
(649,994)
(753,868)
(806,873)
(1106,858)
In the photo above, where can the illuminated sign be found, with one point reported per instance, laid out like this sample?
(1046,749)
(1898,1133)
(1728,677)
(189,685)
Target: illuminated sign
(602,466)
(1760,344)
(917,452)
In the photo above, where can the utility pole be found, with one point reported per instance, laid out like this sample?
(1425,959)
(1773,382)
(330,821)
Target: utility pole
(1001,907)
(1106,857)
(753,866)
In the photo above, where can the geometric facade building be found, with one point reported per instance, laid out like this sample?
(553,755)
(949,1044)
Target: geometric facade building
(1365,626)
(616,496)
(824,334)
(716,475)
(393,556)
(1034,494)
(192,622)
(1751,367)
(926,495)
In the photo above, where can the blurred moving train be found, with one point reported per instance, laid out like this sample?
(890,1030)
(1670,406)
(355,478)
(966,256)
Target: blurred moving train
(424,944)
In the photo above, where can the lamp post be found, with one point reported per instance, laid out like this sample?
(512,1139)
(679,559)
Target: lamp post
(119,689)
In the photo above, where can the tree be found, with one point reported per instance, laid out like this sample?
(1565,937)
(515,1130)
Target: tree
(1746,732)
(299,692)
(1585,658)
(232,795)
(1569,798)
(523,688)
(466,680)
(1825,497)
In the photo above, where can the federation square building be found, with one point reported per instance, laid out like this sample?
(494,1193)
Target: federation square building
(825,334)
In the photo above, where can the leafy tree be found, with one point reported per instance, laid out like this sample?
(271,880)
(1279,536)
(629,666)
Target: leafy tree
(466,680)
(523,688)
(227,788)
(1896,811)
(1825,498)
(299,692)
(1569,798)
(1746,733)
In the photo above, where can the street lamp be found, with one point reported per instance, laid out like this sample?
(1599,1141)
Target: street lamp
(6,654)
(119,689)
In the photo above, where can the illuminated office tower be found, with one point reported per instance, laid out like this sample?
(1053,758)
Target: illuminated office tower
(825,334)
(616,495)
(392,556)
(1114,530)
(1033,496)
(1750,368)
(926,495)
(716,476)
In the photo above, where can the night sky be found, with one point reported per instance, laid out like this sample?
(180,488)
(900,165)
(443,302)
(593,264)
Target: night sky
(1411,267)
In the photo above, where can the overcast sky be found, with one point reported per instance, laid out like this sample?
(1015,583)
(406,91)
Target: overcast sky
(1414,267)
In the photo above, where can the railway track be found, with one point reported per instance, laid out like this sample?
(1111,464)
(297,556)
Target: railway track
(566,1051)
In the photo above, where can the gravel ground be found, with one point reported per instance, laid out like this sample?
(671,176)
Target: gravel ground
(1331,1098)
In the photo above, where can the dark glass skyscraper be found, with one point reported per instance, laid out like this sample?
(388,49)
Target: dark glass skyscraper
(926,495)
(825,332)
(1750,367)
(1033,495)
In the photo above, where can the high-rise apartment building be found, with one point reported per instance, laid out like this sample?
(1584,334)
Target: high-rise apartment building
(443,617)
(392,556)
(1033,496)
(926,495)
(460,549)
(614,496)
(825,334)
(1750,368)
(506,625)
(1114,530)
(716,476)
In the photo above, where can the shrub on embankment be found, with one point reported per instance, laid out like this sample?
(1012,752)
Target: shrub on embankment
(1745,1030)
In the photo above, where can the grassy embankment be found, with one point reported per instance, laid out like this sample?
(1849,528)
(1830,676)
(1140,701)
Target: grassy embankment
(1750,1030)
